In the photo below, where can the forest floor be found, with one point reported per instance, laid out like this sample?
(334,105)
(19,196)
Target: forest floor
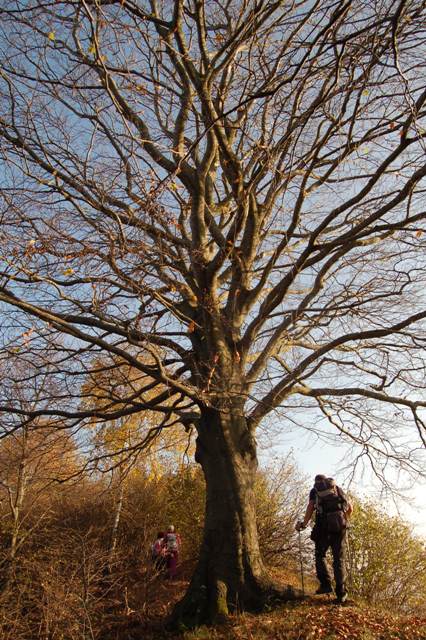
(315,618)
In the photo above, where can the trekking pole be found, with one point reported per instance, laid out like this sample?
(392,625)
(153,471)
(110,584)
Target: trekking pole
(348,557)
(301,564)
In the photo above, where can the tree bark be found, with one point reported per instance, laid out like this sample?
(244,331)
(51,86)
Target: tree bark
(116,524)
(17,503)
(230,574)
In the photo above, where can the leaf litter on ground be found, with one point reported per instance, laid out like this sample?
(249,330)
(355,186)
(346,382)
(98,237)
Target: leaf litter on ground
(315,618)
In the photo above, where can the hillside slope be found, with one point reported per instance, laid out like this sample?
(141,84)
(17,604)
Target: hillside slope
(315,618)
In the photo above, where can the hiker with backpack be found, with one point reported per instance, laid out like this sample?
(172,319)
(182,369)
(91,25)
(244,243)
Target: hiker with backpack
(172,543)
(332,511)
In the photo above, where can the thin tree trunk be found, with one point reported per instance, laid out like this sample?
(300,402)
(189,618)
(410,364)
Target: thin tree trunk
(17,502)
(230,573)
(115,525)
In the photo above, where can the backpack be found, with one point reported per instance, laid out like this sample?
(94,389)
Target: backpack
(172,542)
(330,505)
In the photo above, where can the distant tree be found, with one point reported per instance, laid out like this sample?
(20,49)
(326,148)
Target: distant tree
(117,442)
(228,197)
(386,560)
(281,495)
(36,455)
(114,446)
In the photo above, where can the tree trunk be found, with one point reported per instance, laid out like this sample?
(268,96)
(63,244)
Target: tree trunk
(116,524)
(230,574)
(17,503)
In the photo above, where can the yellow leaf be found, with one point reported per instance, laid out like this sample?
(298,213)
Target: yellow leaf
(68,272)
(92,49)
(51,36)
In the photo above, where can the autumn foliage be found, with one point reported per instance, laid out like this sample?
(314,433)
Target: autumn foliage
(71,585)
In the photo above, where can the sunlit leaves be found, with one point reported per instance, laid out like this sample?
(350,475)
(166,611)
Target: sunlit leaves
(378,544)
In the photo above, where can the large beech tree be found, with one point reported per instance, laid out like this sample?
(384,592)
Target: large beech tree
(228,197)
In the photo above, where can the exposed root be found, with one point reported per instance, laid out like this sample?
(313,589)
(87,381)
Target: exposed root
(202,605)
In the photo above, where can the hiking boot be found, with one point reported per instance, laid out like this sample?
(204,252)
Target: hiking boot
(324,589)
(341,599)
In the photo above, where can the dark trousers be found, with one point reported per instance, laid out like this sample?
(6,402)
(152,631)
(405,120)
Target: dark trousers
(335,541)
